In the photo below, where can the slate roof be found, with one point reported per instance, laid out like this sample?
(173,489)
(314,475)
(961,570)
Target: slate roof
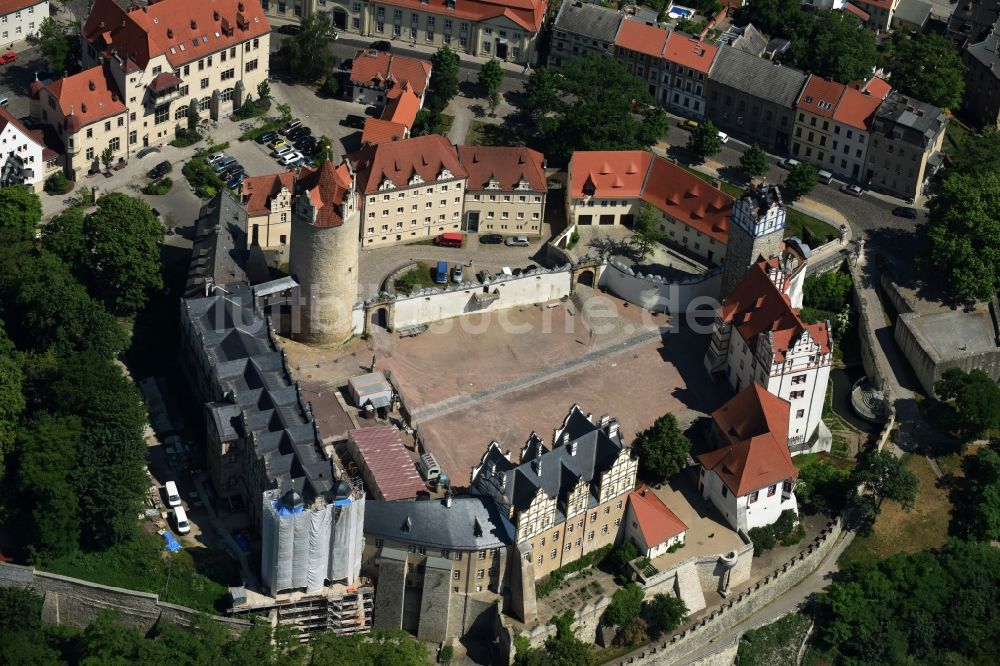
(218,254)
(987,52)
(589,20)
(583,450)
(472,522)
(914,12)
(909,119)
(757,76)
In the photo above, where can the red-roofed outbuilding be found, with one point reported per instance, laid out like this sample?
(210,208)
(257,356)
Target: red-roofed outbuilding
(652,526)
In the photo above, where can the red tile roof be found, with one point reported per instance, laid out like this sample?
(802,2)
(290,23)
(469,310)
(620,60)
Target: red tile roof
(641,38)
(426,156)
(382,131)
(758,307)
(526,13)
(164,80)
(386,71)
(683,49)
(881,4)
(182,30)
(629,174)
(257,191)
(328,188)
(857,107)
(11,6)
(820,96)
(90,96)
(402,107)
(756,424)
(508,164)
(656,522)
(383,453)
(857,11)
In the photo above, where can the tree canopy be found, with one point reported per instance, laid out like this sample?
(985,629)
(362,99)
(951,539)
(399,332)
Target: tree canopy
(662,449)
(444,79)
(976,400)
(704,141)
(666,611)
(977,507)
(594,104)
(828,291)
(885,477)
(491,78)
(308,53)
(928,67)
(55,43)
(626,604)
(20,210)
(753,161)
(646,231)
(836,46)
(799,182)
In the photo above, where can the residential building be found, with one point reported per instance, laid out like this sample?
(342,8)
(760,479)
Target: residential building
(411,189)
(505,29)
(641,48)
(384,463)
(24,157)
(912,15)
(650,525)
(20,19)
(879,12)
(610,187)
(758,336)
(971,21)
(689,63)
(982,79)
(582,29)
(814,109)
(506,189)
(852,121)
(906,140)
(268,204)
(145,68)
(750,477)
(753,99)
(746,39)
(441,565)
(377,76)
(830,5)
(293,9)
(565,501)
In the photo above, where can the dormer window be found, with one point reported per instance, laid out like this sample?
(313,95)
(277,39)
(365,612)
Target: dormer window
(522,184)
(445,175)
(494,184)
(386,184)
(416,179)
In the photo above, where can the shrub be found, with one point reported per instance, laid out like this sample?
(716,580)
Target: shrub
(158,187)
(202,179)
(781,530)
(185,138)
(633,633)
(626,604)
(57,183)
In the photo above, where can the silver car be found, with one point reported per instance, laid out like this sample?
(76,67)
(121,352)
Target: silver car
(518,241)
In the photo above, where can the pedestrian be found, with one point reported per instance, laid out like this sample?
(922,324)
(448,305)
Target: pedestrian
(373,363)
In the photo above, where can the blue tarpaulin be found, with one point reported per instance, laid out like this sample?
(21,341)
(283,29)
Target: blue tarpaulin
(172,544)
(285,511)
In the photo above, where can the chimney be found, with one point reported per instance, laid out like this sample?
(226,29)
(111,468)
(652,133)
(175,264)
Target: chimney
(170,33)
(194,24)
(91,85)
(239,7)
(215,15)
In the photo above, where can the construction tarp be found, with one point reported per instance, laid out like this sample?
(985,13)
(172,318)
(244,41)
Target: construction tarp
(172,544)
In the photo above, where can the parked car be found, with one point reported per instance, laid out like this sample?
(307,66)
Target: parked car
(491,239)
(284,150)
(824,176)
(382,45)
(723,137)
(173,497)
(905,211)
(690,125)
(347,64)
(222,164)
(441,273)
(215,157)
(853,190)
(267,137)
(290,158)
(518,241)
(297,133)
(289,29)
(276,144)
(305,142)
(160,170)
(356,122)
(8,57)
(289,126)
(231,170)
(181,519)
(311,150)
(788,163)
(237,180)
(456,273)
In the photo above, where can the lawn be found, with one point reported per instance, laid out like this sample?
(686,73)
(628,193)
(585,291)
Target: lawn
(896,531)
(420,277)
(490,134)
(774,644)
(197,577)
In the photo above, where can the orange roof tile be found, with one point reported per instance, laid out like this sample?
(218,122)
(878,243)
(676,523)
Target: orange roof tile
(608,174)
(820,96)
(857,107)
(642,38)
(508,164)
(90,96)
(327,188)
(526,13)
(402,107)
(10,6)
(656,522)
(182,30)
(387,71)
(756,424)
(426,156)
(382,131)
(257,191)
(881,4)
(757,306)
(857,11)
(683,49)
(687,198)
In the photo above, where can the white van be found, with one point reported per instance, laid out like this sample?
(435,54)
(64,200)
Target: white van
(170,490)
(180,517)
(723,137)
(824,176)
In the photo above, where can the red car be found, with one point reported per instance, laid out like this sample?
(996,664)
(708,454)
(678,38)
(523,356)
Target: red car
(7,57)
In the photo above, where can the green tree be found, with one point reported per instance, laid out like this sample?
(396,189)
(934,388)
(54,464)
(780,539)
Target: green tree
(666,612)
(193,117)
(57,183)
(964,232)
(823,486)
(380,647)
(330,85)
(976,399)
(54,41)
(626,603)
(565,649)
(446,654)
(443,85)
(47,454)
(107,157)
(63,237)
(928,67)
(621,555)
(778,18)
(800,181)
(308,53)
(662,449)
(829,291)
(753,161)
(704,141)
(264,93)
(885,477)
(594,104)
(977,512)
(836,46)
(20,610)
(491,78)
(20,210)
(12,402)
(646,232)
(123,243)
(976,154)
(633,633)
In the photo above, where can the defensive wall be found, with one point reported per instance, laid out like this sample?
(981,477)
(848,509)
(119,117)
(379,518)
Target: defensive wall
(658,294)
(77,603)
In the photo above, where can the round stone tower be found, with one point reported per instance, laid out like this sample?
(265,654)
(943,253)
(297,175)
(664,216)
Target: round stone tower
(323,253)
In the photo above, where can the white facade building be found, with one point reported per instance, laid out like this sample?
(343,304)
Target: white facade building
(20,19)
(759,337)
(750,478)
(650,525)
(22,154)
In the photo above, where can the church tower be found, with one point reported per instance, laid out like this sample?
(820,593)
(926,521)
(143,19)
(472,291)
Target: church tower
(323,253)
(755,230)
